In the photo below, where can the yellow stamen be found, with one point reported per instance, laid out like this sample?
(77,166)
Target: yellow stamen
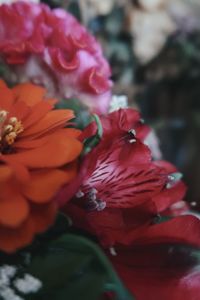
(9,129)
(3,115)
(10,138)
(13,121)
(18,127)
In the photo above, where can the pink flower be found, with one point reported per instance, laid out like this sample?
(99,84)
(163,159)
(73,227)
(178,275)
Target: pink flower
(121,190)
(51,48)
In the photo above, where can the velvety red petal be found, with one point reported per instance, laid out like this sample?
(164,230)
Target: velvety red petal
(167,197)
(182,229)
(186,288)
(162,261)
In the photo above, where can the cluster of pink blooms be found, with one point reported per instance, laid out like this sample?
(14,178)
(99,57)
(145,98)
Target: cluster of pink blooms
(51,48)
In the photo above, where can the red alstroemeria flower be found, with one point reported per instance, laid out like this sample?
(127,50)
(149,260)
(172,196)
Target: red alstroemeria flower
(51,48)
(119,123)
(121,189)
(163,261)
(38,155)
(126,118)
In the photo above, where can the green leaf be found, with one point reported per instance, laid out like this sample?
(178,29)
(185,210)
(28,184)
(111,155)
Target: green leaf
(92,141)
(73,267)
(160,219)
(82,115)
(70,267)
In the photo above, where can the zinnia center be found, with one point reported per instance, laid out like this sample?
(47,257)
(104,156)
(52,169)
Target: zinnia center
(9,130)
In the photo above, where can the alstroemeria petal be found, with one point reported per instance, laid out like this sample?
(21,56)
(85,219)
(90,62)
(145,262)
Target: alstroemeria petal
(182,229)
(163,260)
(170,196)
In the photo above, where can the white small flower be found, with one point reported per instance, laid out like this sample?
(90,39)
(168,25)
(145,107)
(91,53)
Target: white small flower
(28,284)
(118,102)
(6,273)
(9,271)
(7,293)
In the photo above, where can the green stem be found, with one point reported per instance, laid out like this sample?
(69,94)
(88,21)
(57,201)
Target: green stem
(116,285)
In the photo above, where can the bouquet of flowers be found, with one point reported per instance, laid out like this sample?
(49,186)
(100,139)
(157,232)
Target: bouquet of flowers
(88,210)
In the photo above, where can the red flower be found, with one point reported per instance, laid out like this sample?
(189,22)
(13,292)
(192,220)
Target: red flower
(119,123)
(162,262)
(121,189)
(50,47)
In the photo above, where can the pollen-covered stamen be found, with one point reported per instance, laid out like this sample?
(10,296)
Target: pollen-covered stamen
(132,141)
(3,115)
(79,194)
(93,203)
(132,134)
(10,138)
(132,131)
(92,194)
(9,130)
(101,205)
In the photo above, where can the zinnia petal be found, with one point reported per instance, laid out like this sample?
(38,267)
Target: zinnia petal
(5,173)
(29,93)
(38,156)
(13,239)
(44,184)
(53,120)
(13,210)
(65,148)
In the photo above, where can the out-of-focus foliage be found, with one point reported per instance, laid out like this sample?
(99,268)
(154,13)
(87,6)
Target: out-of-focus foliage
(60,265)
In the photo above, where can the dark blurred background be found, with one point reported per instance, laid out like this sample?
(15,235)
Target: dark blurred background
(153,47)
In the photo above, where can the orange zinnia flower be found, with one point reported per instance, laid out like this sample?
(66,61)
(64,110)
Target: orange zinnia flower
(37,156)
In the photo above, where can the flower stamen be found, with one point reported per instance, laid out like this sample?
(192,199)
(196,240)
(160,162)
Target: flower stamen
(3,115)
(93,203)
(9,130)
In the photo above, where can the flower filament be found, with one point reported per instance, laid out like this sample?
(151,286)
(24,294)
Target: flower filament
(9,130)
